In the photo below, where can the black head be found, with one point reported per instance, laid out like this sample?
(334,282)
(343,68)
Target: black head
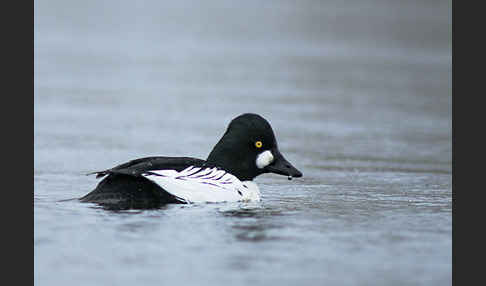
(248,148)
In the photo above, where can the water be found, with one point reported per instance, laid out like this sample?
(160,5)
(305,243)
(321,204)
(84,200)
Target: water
(358,94)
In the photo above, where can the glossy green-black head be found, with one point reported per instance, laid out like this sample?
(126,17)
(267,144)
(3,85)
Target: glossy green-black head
(248,148)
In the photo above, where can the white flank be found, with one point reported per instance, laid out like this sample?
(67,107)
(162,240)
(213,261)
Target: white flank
(196,185)
(264,159)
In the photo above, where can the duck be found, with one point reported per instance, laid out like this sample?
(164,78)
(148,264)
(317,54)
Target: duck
(247,149)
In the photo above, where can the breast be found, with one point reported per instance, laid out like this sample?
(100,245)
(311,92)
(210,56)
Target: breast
(252,192)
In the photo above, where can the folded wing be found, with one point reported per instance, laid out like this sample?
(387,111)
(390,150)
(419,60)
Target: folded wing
(195,184)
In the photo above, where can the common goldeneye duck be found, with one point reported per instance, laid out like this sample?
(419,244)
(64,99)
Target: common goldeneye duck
(247,149)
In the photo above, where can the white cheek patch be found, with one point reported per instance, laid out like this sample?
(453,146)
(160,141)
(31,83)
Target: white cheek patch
(264,159)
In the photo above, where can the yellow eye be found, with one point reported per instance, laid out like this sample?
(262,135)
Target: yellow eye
(258,144)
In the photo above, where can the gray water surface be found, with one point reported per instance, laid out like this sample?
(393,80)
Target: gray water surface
(358,94)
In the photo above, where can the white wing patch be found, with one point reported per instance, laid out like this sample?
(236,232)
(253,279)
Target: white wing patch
(195,185)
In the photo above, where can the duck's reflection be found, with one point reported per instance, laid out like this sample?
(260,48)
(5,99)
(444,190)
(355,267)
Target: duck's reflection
(130,207)
(254,233)
(254,224)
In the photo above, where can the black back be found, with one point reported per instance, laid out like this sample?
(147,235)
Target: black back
(125,188)
(138,166)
